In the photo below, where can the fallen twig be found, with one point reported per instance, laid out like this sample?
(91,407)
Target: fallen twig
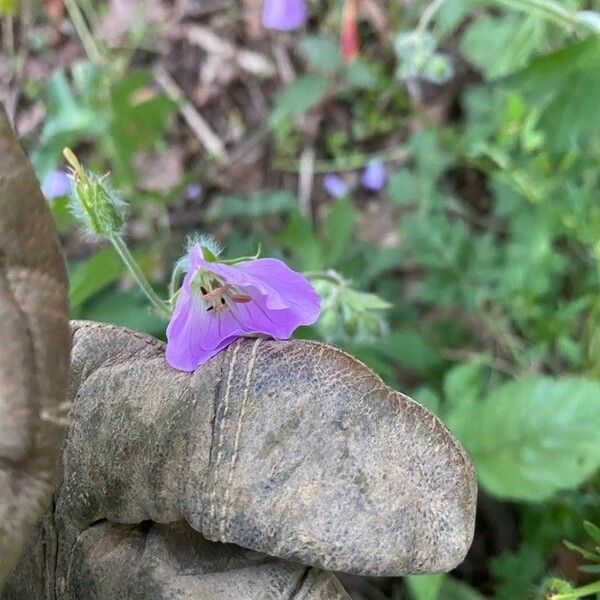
(197,123)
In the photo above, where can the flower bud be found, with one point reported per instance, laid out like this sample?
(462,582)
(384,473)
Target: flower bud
(93,201)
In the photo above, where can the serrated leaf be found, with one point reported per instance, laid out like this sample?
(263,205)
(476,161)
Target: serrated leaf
(298,96)
(533,437)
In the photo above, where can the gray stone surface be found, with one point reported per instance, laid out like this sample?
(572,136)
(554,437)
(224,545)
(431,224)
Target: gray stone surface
(34,348)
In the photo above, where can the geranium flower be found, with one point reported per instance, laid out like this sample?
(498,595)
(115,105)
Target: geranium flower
(374,176)
(284,15)
(220,302)
(335,185)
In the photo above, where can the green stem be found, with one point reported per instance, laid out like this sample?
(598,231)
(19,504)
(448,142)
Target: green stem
(330,276)
(580,592)
(428,14)
(86,37)
(551,10)
(178,273)
(345,163)
(137,274)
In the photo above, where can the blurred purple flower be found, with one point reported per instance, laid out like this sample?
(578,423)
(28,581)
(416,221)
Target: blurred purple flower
(374,176)
(56,184)
(193,192)
(218,303)
(335,185)
(284,15)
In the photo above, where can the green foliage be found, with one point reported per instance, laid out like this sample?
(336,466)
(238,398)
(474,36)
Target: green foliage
(300,95)
(592,555)
(119,113)
(516,573)
(93,275)
(259,205)
(533,437)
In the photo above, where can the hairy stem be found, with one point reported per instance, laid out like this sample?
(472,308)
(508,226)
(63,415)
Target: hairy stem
(138,275)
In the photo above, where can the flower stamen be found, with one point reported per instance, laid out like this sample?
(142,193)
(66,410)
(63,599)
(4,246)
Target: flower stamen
(241,298)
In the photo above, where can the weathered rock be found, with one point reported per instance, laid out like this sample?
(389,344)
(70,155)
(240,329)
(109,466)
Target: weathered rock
(294,449)
(34,347)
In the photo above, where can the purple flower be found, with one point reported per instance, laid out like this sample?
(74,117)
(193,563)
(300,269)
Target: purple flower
(218,303)
(193,191)
(284,15)
(335,186)
(56,184)
(374,176)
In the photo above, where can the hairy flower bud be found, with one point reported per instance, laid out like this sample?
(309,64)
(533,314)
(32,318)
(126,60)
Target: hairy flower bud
(93,201)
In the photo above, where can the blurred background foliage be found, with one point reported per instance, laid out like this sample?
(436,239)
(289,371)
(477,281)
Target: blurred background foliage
(470,280)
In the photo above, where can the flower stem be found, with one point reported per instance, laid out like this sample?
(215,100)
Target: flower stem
(346,163)
(329,275)
(85,35)
(551,10)
(428,14)
(138,275)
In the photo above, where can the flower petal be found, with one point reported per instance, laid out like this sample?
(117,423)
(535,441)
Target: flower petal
(374,176)
(280,301)
(294,290)
(284,15)
(194,334)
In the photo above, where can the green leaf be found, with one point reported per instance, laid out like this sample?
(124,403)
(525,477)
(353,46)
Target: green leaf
(453,589)
(463,384)
(533,437)
(363,301)
(592,530)
(300,95)
(140,117)
(260,204)
(93,275)
(409,349)
(401,187)
(516,572)
(341,223)
(299,237)
(500,45)
(126,308)
(425,587)
(322,52)
(363,75)
(587,554)
(566,85)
